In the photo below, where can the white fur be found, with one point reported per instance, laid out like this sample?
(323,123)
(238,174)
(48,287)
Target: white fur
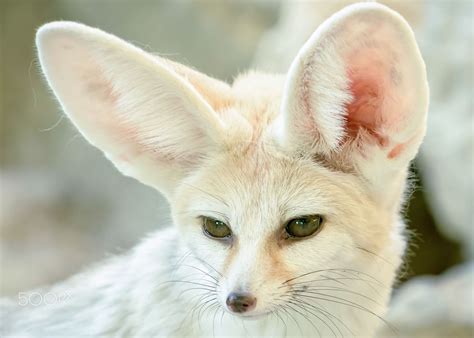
(241,154)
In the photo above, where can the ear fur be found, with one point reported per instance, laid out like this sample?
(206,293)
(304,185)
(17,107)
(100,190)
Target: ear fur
(143,111)
(357,91)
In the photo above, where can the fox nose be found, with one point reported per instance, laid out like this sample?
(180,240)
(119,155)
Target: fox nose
(240,302)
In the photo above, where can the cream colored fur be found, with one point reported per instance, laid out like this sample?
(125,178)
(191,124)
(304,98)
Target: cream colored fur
(333,137)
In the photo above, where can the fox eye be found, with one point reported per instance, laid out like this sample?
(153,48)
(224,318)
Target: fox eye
(215,228)
(304,226)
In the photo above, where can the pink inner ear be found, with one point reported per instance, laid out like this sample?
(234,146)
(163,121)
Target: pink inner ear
(371,84)
(368,88)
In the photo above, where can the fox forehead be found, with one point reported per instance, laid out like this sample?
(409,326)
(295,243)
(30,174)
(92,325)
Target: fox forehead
(254,87)
(266,187)
(255,97)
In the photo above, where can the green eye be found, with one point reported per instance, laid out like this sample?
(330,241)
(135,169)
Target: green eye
(215,228)
(304,226)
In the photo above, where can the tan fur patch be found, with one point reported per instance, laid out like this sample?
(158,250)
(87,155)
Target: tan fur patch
(234,249)
(278,269)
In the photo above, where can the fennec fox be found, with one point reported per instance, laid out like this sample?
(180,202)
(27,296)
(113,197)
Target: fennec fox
(285,190)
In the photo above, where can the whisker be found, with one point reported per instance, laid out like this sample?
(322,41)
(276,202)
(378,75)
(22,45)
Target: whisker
(313,289)
(369,283)
(209,266)
(217,198)
(305,317)
(186,282)
(284,323)
(214,319)
(312,324)
(209,306)
(283,307)
(200,308)
(335,271)
(324,313)
(204,272)
(337,280)
(190,289)
(181,259)
(348,303)
(328,315)
(191,311)
(374,254)
(274,310)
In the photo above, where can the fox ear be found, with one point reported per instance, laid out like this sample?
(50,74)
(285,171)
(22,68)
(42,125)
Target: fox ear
(357,91)
(144,112)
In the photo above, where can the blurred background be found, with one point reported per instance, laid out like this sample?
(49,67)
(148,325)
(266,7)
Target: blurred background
(63,205)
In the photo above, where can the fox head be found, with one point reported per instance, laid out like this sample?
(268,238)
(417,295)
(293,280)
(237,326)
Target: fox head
(287,188)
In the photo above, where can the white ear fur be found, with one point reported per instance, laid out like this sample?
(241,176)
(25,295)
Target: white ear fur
(150,121)
(359,80)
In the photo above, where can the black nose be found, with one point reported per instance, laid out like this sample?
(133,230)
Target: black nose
(240,302)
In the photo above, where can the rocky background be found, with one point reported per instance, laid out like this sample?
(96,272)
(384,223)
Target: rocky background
(63,206)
